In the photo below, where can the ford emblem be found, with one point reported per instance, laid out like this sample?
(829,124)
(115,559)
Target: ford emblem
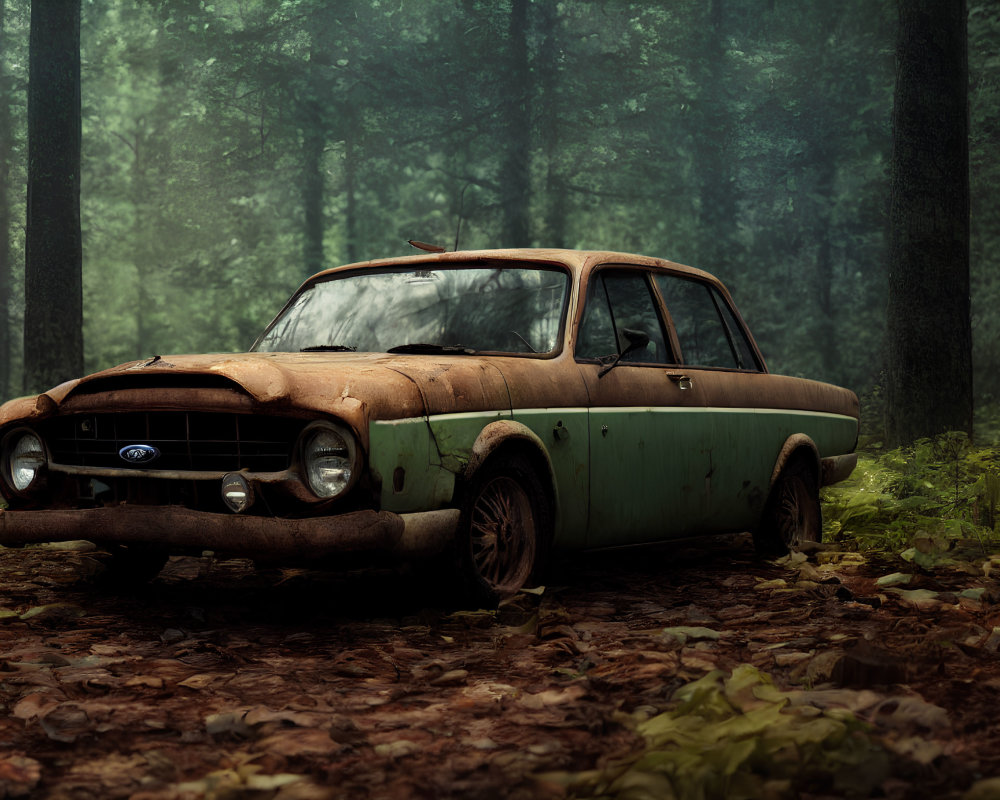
(138,453)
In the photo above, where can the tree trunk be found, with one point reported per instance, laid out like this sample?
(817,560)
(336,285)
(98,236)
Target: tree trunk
(351,191)
(547,69)
(313,193)
(929,375)
(717,218)
(53,316)
(6,277)
(824,329)
(515,189)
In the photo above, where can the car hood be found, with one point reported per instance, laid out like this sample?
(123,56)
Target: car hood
(357,387)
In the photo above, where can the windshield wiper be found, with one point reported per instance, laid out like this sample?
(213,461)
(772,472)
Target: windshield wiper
(328,348)
(421,348)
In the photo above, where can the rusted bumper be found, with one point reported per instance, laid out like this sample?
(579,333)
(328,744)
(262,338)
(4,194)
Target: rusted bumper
(182,529)
(837,468)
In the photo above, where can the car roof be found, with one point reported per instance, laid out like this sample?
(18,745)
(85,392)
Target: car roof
(577,261)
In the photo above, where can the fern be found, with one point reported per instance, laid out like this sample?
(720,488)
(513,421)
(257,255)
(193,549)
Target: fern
(941,487)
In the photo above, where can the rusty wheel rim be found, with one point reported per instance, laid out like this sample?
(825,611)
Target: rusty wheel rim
(503,534)
(796,520)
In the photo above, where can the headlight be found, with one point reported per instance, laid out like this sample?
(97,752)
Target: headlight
(329,458)
(24,459)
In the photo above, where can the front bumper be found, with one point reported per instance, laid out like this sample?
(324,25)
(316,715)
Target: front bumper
(175,528)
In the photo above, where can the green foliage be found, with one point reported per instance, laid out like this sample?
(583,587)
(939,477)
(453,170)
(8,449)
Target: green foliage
(740,737)
(922,497)
(745,137)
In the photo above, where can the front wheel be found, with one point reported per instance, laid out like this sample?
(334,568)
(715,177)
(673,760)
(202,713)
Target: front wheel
(505,530)
(792,514)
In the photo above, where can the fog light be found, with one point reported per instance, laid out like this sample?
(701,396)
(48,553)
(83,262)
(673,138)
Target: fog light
(237,492)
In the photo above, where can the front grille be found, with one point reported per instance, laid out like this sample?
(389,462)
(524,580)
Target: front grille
(186,440)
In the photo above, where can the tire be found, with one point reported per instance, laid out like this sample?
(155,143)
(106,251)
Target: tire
(131,565)
(505,530)
(792,514)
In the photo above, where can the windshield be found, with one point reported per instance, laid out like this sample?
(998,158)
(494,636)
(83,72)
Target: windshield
(507,309)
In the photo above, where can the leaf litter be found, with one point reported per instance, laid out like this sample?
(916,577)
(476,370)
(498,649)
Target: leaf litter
(686,672)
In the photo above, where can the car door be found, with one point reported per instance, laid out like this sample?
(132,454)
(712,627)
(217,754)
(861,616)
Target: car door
(649,453)
(739,434)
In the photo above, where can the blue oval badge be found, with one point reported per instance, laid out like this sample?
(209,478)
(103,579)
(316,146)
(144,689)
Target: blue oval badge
(138,453)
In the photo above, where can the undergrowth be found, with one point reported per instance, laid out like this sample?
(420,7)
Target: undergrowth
(939,490)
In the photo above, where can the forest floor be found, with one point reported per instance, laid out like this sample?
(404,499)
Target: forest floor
(219,681)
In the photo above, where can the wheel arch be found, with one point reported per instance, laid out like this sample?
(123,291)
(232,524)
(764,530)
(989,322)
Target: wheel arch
(511,436)
(797,446)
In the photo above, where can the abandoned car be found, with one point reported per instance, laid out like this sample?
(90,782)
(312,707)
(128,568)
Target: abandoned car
(490,407)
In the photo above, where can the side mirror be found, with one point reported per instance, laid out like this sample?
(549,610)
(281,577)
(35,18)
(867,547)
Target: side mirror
(634,340)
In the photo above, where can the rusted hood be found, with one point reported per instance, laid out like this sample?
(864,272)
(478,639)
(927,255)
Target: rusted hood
(356,387)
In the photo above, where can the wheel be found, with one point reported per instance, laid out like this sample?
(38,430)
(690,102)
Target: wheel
(505,532)
(792,514)
(131,565)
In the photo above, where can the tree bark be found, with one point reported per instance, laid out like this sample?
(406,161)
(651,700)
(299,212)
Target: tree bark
(515,189)
(929,371)
(714,160)
(313,193)
(547,69)
(53,316)
(6,277)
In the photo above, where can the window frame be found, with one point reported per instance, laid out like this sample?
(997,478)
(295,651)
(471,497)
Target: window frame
(667,333)
(720,300)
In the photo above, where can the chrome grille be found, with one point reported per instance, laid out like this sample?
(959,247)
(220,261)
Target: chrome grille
(186,440)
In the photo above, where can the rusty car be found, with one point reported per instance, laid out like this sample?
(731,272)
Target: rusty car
(487,409)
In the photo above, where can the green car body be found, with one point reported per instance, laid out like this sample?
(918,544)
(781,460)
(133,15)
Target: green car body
(492,405)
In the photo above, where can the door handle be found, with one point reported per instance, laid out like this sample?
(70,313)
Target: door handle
(682,381)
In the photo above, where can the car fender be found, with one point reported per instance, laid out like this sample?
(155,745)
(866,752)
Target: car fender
(504,432)
(795,444)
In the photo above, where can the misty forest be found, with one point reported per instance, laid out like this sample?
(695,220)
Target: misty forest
(231,148)
(172,170)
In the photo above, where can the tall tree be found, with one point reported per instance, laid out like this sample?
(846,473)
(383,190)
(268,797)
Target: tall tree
(515,177)
(5,267)
(929,375)
(53,316)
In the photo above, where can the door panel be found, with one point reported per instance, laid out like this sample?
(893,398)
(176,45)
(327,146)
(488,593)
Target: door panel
(648,455)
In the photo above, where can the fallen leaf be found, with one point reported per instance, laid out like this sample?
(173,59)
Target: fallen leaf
(895,579)
(682,633)
(33,705)
(203,680)
(299,742)
(53,611)
(398,749)
(451,677)
(903,712)
(66,722)
(19,775)
(923,751)
(920,599)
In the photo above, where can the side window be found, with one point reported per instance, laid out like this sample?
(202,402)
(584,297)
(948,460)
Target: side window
(708,332)
(619,302)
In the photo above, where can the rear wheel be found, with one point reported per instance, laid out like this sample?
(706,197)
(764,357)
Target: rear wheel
(792,514)
(506,526)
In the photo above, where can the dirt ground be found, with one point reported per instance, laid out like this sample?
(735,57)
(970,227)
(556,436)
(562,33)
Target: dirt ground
(219,681)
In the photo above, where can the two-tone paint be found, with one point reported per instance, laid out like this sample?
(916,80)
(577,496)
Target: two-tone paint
(642,453)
